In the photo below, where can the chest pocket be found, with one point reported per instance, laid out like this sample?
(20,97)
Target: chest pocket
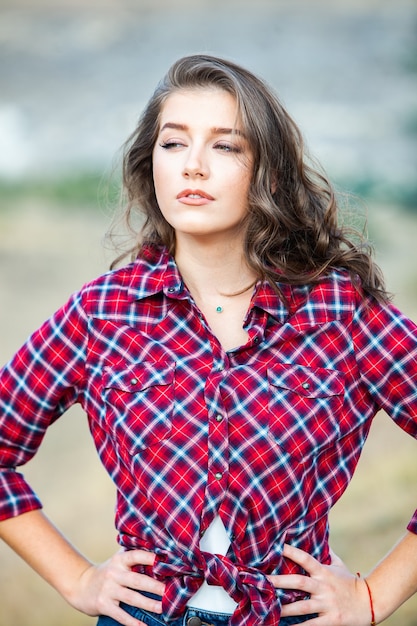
(139,403)
(304,405)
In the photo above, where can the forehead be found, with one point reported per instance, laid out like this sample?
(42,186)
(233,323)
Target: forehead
(208,107)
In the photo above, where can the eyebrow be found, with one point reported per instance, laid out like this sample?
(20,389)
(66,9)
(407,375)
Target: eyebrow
(216,130)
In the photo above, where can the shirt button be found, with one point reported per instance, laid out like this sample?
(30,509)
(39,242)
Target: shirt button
(306,385)
(134,381)
(218,475)
(171,289)
(194,621)
(219,418)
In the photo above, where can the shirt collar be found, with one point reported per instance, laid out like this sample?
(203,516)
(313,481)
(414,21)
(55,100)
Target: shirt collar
(154,272)
(285,306)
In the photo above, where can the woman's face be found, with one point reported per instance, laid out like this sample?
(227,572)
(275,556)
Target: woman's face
(202,165)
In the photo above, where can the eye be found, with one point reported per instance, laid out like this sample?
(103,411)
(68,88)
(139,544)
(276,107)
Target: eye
(169,145)
(227,147)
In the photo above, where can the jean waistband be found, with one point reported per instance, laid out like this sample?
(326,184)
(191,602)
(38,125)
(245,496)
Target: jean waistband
(190,617)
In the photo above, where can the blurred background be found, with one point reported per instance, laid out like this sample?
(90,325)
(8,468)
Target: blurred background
(74,76)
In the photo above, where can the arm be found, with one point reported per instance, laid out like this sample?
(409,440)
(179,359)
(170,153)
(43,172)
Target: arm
(342,599)
(394,579)
(92,589)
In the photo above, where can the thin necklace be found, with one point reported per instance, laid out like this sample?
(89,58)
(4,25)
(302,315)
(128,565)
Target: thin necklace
(220,309)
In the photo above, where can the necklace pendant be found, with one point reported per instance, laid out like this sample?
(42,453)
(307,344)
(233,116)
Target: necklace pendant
(219,309)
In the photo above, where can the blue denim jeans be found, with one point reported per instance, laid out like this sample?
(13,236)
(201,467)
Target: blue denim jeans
(209,618)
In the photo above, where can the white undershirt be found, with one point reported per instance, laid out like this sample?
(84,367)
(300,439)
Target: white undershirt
(213,597)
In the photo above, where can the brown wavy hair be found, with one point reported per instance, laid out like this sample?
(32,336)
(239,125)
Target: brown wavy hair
(292,227)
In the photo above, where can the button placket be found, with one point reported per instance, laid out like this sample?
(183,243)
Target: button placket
(217,440)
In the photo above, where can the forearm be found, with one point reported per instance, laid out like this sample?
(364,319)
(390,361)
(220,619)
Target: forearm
(394,579)
(92,589)
(46,550)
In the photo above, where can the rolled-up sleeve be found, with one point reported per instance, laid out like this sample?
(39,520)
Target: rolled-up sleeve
(386,352)
(42,380)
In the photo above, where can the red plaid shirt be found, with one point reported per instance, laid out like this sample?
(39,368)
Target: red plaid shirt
(267,435)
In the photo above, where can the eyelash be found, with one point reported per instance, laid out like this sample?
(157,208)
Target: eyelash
(169,145)
(229,148)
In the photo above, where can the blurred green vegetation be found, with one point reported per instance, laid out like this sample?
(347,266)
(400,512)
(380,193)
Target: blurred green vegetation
(69,190)
(374,190)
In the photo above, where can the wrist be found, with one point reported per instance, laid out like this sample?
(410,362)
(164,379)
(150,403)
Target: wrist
(73,588)
(68,582)
(370,599)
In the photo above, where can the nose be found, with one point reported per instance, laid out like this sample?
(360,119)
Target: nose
(195,164)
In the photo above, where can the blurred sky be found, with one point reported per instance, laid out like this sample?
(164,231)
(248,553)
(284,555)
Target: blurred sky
(74,76)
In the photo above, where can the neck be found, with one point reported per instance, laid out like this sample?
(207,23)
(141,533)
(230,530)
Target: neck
(219,269)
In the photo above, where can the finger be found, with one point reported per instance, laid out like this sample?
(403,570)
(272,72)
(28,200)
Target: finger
(142,582)
(138,600)
(293,581)
(314,621)
(302,558)
(130,558)
(136,580)
(301,607)
(122,617)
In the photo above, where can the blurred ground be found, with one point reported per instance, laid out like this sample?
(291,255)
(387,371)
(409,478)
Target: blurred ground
(73,78)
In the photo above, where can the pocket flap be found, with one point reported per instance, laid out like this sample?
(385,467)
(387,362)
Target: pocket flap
(306,381)
(138,376)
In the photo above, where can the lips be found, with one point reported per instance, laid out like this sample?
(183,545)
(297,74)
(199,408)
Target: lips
(194,194)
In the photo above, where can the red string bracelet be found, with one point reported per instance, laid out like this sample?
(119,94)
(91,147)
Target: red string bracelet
(371,602)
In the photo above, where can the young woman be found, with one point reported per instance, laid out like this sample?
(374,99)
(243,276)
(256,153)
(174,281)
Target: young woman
(230,374)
